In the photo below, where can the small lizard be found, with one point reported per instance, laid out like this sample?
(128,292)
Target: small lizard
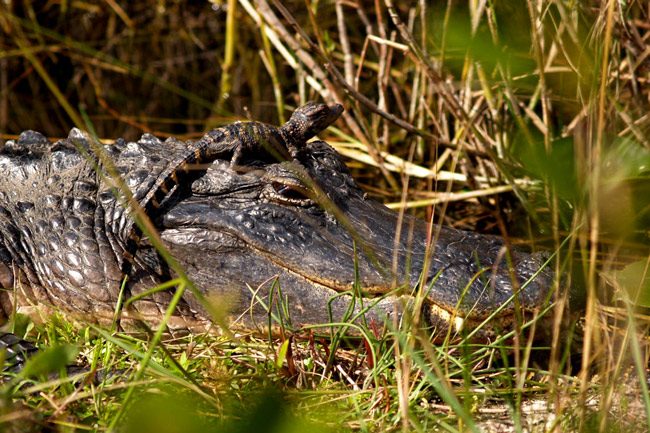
(237,139)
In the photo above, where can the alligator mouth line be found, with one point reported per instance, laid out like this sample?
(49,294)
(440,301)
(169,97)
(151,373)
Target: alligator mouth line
(454,319)
(445,320)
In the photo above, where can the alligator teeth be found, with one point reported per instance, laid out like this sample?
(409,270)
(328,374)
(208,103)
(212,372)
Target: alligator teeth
(458,323)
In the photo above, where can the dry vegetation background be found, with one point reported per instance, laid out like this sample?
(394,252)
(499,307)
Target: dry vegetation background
(416,79)
(451,87)
(526,118)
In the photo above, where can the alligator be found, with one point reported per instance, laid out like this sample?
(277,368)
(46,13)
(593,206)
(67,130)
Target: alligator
(266,224)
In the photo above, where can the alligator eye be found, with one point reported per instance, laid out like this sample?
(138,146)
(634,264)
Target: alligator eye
(289,194)
(289,191)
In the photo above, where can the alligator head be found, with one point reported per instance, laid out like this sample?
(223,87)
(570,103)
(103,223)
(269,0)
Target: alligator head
(299,242)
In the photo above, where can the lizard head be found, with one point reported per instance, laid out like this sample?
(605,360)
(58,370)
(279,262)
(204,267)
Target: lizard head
(309,120)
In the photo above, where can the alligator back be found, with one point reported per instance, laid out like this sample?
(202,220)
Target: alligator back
(62,231)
